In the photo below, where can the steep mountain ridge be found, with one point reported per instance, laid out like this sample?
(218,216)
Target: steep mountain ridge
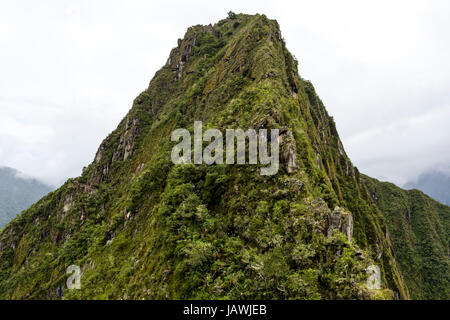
(420,230)
(141,227)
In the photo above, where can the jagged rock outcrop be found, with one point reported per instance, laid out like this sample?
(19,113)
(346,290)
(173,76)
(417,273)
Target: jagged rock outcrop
(288,155)
(374,279)
(340,220)
(125,147)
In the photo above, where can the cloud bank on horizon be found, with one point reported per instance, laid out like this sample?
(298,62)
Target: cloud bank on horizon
(70,71)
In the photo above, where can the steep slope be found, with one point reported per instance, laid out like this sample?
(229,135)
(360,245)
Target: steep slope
(17,193)
(419,229)
(436,184)
(142,227)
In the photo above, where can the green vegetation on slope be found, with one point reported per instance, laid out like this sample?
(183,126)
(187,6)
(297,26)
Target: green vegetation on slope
(419,229)
(141,227)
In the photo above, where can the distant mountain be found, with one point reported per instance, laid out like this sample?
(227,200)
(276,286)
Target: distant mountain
(435,184)
(17,193)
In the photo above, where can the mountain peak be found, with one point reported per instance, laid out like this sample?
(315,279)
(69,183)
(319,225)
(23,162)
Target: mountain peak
(161,230)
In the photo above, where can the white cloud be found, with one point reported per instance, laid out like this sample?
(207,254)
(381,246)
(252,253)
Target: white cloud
(409,146)
(70,70)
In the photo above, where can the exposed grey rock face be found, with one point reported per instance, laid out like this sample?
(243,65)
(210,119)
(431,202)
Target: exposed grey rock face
(125,149)
(341,220)
(67,203)
(319,161)
(288,150)
(374,280)
(180,55)
(99,154)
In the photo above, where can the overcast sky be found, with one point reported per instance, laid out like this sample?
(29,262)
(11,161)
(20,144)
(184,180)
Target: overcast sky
(69,71)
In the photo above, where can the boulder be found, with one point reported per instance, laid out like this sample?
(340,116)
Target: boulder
(374,280)
(288,147)
(341,220)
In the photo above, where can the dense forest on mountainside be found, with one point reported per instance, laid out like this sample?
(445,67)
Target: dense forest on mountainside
(419,229)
